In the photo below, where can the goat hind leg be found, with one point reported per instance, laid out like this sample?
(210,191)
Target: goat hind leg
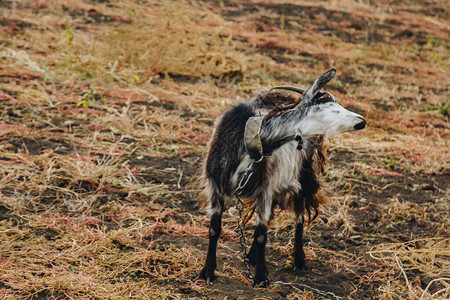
(215,228)
(299,254)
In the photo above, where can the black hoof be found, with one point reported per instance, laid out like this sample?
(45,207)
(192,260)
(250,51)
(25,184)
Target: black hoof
(206,274)
(299,262)
(261,283)
(301,268)
(261,280)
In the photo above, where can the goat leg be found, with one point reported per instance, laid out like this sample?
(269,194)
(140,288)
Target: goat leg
(299,254)
(251,255)
(215,228)
(261,279)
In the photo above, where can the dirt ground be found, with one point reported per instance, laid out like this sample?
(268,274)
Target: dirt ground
(106,111)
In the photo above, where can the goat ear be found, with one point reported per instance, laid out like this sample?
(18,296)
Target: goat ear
(318,84)
(323,80)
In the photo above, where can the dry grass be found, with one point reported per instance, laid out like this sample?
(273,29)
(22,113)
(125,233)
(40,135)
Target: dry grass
(107,108)
(429,256)
(183,41)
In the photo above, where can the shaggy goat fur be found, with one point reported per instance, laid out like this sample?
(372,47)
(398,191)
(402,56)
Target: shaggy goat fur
(302,196)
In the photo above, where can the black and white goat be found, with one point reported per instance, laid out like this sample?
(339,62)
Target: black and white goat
(292,134)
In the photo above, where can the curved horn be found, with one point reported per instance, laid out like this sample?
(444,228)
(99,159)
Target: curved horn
(288,88)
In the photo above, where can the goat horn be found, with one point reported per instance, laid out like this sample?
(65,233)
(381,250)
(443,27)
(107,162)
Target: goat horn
(288,88)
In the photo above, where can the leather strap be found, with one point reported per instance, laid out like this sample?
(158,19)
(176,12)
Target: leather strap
(252,138)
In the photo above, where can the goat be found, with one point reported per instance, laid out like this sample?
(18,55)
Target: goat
(292,143)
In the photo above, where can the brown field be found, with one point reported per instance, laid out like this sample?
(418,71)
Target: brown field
(107,108)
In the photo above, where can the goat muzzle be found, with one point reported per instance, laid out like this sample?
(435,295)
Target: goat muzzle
(360,125)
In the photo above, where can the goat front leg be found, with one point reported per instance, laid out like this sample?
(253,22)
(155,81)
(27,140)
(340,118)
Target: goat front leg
(259,253)
(251,256)
(215,228)
(299,254)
